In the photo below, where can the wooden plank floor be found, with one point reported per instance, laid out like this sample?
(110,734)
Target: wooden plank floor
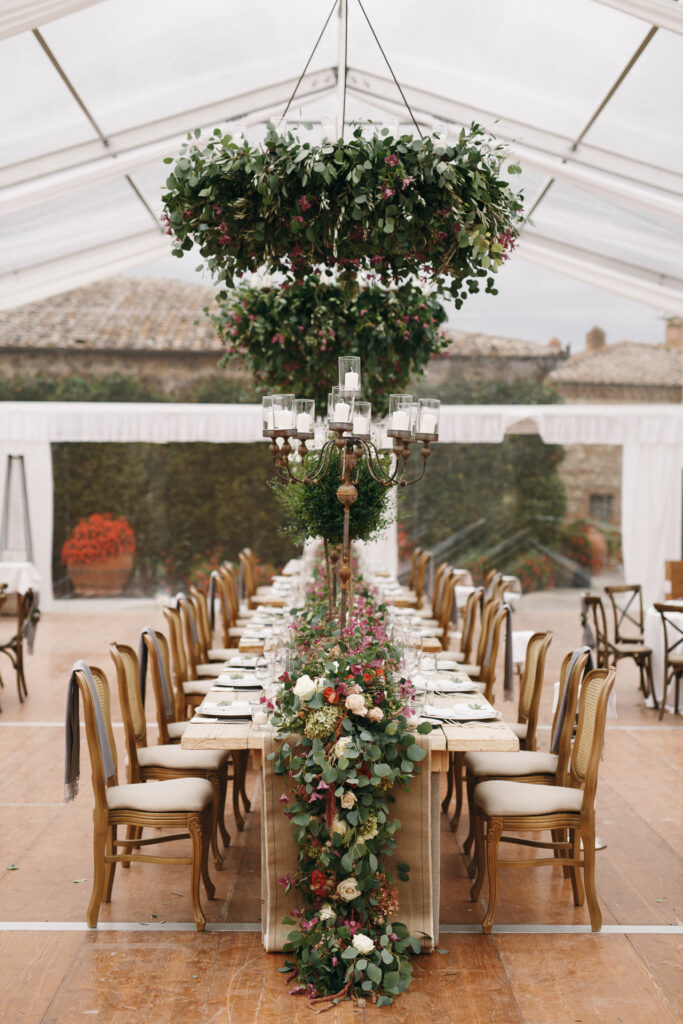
(141,972)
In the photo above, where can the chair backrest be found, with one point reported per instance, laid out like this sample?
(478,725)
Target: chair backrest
(488,612)
(627,609)
(673,632)
(24,609)
(231,579)
(178,655)
(596,610)
(193,647)
(569,682)
(202,619)
(446,606)
(176,712)
(220,593)
(498,586)
(469,621)
(436,591)
(415,558)
(99,782)
(532,685)
(590,733)
(487,665)
(130,697)
(246,557)
(423,562)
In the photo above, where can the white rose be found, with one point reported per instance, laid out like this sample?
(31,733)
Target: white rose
(375,715)
(348,800)
(355,702)
(348,889)
(326,912)
(305,687)
(363,943)
(341,745)
(335,666)
(340,827)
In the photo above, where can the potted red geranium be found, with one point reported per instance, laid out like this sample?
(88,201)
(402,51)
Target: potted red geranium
(99,555)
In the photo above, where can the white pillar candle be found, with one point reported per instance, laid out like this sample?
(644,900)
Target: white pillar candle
(303,423)
(259,718)
(351,381)
(428,423)
(284,419)
(341,412)
(400,420)
(270,420)
(360,425)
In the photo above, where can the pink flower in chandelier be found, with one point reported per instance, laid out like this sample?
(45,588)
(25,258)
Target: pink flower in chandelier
(388,193)
(305,204)
(391,160)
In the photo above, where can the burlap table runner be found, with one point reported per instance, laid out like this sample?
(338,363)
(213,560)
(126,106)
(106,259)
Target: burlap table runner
(417,843)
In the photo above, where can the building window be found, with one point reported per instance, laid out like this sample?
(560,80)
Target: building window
(601,507)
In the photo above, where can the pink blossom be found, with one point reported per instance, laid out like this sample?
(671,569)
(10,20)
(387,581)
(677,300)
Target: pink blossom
(391,160)
(388,193)
(405,183)
(304,204)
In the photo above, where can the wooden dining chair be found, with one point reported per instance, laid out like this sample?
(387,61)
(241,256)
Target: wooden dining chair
(175,804)
(166,760)
(531,765)
(198,664)
(530,690)
(595,618)
(503,805)
(423,562)
(627,612)
(673,652)
(189,694)
(13,646)
(414,562)
(209,652)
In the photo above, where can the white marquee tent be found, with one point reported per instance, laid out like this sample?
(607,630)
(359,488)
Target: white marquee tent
(588,94)
(95,94)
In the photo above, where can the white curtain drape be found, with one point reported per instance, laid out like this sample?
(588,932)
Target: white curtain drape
(652,479)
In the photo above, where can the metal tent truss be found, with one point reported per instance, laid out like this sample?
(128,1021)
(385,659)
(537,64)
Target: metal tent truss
(637,197)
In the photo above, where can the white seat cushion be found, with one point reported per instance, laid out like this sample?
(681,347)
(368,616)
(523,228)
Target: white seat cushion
(510,762)
(472,670)
(520,729)
(176,729)
(174,795)
(211,669)
(220,653)
(172,755)
(501,798)
(199,687)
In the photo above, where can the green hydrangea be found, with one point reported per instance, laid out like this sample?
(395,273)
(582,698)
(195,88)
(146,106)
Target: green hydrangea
(369,828)
(320,724)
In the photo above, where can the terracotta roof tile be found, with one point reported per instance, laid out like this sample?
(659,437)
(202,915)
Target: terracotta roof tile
(473,344)
(116,313)
(625,363)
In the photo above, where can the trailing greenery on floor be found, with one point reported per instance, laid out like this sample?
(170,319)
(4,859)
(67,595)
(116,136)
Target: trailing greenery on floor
(345,702)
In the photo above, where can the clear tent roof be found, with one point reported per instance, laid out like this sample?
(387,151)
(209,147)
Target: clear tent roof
(587,93)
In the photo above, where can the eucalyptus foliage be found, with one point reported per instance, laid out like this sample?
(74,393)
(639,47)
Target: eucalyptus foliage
(398,207)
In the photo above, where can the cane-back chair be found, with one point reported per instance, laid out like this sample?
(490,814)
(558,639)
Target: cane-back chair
(530,691)
(627,611)
(198,664)
(503,805)
(673,651)
(176,804)
(169,760)
(423,561)
(203,620)
(189,692)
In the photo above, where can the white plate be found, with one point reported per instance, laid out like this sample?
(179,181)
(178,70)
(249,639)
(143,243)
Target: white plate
(238,709)
(469,712)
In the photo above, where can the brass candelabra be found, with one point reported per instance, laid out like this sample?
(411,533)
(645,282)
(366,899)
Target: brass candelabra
(286,418)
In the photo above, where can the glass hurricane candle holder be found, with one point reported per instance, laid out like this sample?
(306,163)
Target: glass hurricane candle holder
(349,376)
(362,415)
(400,416)
(304,418)
(427,428)
(340,410)
(283,414)
(268,415)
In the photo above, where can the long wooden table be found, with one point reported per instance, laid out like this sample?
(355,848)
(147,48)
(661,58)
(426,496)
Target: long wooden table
(417,807)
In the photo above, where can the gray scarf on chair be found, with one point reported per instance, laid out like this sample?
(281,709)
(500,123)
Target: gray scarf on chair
(588,640)
(564,696)
(212,599)
(73,736)
(508,677)
(142,658)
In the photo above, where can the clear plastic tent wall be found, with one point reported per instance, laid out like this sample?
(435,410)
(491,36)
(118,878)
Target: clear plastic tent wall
(95,94)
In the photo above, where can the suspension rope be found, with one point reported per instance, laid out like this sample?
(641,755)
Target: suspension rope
(312,54)
(391,70)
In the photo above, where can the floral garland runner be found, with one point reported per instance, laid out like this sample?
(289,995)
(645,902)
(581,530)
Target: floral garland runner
(346,704)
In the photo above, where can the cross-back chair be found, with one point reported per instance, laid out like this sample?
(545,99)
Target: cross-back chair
(177,804)
(597,621)
(503,806)
(13,646)
(627,612)
(673,652)
(169,760)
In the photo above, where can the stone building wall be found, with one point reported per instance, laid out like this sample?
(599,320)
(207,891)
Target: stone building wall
(591,469)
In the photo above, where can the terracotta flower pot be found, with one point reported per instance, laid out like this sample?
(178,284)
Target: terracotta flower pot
(102,579)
